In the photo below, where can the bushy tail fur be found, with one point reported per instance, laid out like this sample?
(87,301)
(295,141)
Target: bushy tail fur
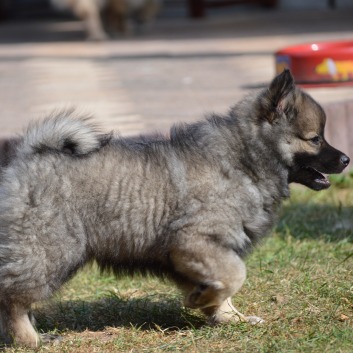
(62,132)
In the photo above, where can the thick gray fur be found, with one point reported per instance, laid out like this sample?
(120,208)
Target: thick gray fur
(187,207)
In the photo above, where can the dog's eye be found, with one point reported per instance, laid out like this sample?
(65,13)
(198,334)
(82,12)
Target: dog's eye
(316,140)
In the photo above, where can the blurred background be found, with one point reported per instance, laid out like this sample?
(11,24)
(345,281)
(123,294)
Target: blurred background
(146,69)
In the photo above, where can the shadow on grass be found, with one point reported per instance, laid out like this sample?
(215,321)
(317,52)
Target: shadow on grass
(316,221)
(147,313)
(302,220)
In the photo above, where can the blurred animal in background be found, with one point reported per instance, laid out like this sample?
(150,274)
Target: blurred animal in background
(128,16)
(113,16)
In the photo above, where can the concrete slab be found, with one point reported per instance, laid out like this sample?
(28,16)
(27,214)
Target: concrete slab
(175,72)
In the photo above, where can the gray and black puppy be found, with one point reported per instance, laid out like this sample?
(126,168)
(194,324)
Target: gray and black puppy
(188,207)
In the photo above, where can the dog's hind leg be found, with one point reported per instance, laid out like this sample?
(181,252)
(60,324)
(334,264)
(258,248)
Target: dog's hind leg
(16,327)
(5,335)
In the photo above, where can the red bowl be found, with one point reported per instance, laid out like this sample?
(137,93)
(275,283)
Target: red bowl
(318,63)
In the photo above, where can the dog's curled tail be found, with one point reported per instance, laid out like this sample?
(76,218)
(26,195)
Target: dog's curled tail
(63,133)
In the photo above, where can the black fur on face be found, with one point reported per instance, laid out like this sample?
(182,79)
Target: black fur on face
(308,168)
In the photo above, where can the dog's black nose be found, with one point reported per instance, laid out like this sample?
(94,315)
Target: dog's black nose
(345,160)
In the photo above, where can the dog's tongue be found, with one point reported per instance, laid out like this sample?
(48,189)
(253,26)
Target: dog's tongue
(321,179)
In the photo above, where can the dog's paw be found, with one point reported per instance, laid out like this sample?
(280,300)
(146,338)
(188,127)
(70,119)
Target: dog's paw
(254,320)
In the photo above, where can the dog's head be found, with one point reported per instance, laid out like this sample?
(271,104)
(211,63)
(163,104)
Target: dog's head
(298,123)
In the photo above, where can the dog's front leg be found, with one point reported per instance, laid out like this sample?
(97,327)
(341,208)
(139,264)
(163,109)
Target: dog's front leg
(89,12)
(210,275)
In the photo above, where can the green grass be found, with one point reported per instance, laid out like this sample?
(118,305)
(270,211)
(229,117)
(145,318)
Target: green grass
(300,281)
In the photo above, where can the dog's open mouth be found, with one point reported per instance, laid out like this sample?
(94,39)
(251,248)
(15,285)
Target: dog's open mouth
(320,179)
(309,177)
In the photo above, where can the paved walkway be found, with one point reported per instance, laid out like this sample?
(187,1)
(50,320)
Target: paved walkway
(177,71)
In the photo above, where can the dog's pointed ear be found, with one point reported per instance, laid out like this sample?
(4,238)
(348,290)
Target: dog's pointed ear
(278,93)
(280,87)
